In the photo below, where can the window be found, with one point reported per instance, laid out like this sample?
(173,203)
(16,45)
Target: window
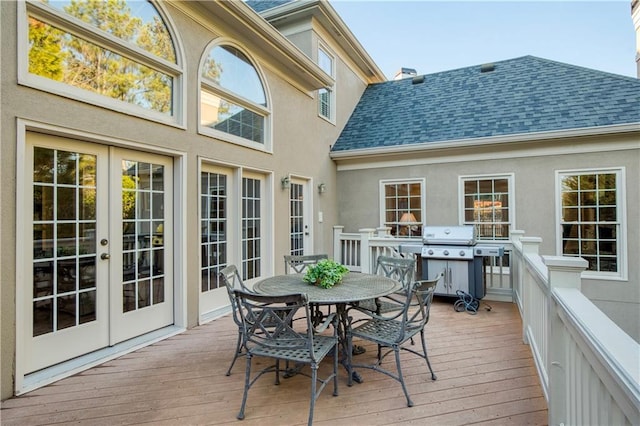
(591,218)
(128,60)
(487,206)
(233,102)
(326,99)
(213,227)
(402,207)
(251,228)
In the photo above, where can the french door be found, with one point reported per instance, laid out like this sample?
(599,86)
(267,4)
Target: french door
(97,248)
(299,218)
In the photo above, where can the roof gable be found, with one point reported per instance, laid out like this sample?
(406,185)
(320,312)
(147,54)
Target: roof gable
(522,95)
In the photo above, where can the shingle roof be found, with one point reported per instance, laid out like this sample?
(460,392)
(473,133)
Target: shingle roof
(522,95)
(262,5)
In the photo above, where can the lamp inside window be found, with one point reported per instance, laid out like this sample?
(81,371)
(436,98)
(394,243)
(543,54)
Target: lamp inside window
(408,225)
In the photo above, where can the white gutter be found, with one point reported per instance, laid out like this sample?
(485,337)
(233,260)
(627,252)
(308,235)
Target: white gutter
(489,140)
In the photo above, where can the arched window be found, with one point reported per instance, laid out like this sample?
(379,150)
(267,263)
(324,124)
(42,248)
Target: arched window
(233,101)
(120,50)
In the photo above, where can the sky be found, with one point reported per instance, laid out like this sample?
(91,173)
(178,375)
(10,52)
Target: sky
(432,36)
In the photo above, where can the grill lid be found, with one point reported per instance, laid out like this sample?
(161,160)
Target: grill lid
(450,235)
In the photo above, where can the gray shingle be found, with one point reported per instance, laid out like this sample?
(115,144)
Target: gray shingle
(262,5)
(522,95)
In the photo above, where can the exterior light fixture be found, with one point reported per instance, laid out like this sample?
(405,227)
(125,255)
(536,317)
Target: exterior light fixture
(322,188)
(285,182)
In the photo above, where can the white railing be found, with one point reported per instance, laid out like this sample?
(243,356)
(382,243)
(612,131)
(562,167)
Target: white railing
(588,367)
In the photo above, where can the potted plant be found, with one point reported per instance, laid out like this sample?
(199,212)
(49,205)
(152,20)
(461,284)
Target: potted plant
(326,273)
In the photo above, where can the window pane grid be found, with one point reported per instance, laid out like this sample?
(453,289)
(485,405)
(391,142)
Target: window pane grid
(64,244)
(213,228)
(296,203)
(589,219)
(142,235)
(486,206)
(403,209)
(251,232)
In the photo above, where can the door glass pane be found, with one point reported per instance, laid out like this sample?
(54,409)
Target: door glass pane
(213,199)
(143,235)
(64,243)
(296,209)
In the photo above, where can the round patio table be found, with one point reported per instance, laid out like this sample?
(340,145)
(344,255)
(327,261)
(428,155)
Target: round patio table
(353,288)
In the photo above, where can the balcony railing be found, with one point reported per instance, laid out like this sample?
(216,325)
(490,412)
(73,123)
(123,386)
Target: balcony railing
(589,368)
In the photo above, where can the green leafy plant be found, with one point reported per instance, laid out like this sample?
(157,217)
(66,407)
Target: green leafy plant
(326,273)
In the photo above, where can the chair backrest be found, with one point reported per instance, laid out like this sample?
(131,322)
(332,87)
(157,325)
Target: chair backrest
(232,281)
(418,316)
(296,264)
(268,321)
(401,269)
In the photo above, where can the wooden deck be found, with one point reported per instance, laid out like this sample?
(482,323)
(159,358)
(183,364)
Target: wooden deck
(485,376)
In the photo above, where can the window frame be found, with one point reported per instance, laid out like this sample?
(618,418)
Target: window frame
(510,177)
(621,230)
(331,105)
(212,88)
(84,31)
(404,181)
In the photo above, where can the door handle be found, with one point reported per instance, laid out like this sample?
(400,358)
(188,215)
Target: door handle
(105,256)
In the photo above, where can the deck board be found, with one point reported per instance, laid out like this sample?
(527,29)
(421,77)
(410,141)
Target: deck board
(485,375)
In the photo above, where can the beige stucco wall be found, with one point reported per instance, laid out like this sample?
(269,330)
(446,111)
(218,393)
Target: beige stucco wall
(301,143)
(533,166)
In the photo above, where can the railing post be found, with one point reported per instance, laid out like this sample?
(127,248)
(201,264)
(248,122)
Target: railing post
(563,272)
(383,231)
(516,236)
(530,245)
(337,242)
(365,250)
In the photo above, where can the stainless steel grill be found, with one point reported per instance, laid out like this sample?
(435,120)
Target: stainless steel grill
(453,250)
(450,249)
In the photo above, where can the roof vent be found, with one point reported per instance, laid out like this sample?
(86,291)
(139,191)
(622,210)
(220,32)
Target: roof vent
(417,79)
(487,67)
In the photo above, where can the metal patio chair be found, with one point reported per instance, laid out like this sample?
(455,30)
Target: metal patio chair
(392,332)
(400,269)
(232,281)
(259,313)
(298,264)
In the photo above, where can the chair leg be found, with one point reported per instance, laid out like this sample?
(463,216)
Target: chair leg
(349,356)
(426,357)
(335,370)
(314,383)
(396,349)
(247,380)
(237,354)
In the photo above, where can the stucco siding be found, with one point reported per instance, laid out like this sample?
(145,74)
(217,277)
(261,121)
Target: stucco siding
(534,168)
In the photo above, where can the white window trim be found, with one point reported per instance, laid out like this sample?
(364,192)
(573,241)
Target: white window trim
(423,196)
(332,90)
(512,199)
(212,87)
(77,27)
(621,198)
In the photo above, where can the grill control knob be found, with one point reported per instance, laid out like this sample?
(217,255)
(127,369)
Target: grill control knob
(461,252)
(446,252)
(430,251)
